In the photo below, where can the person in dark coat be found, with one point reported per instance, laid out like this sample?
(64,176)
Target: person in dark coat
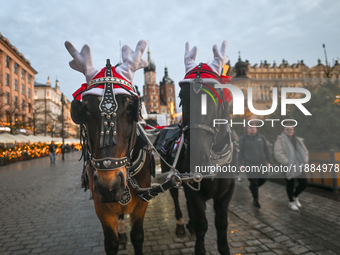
(254,152)
(63,150)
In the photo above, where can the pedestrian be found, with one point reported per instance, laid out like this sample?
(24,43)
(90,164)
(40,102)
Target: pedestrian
(254,153)
(289,150)
(63,150)
(52,149)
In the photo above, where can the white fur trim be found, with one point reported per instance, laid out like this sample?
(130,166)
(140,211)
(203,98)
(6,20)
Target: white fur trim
(100,91)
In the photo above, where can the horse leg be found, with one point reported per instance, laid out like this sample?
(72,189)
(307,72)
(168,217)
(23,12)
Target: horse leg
(180,231)
(109,225)
(198,220)
(122,231)
(137,231)
(221,220)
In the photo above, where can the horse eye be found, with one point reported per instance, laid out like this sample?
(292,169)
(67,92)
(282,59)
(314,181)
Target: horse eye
(129,108)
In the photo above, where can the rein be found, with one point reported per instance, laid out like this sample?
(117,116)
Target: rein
(108,107)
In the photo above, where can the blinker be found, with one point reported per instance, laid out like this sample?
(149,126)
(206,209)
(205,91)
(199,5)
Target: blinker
(78,113)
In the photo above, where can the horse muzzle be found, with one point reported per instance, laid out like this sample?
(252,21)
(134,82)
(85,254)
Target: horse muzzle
(109,186)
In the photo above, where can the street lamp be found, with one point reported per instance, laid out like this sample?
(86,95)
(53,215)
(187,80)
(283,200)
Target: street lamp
(324,48)
(62,124)
(45,113)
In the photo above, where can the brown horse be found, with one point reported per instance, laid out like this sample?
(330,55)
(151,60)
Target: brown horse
(107,108)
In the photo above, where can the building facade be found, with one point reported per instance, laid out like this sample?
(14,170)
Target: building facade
(48,111)
(263,77)
(16,89)
(159,99)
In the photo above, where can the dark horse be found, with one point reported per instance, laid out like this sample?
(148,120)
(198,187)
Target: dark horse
(204,145)
(107,108)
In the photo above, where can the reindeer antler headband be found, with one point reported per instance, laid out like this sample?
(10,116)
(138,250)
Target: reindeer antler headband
(214,67)
(123,74)
(109,82)
(202,73)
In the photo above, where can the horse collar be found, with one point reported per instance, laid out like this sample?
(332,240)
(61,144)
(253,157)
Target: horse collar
(108,107)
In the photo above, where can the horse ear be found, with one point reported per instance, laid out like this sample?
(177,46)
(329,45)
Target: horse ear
(78,113)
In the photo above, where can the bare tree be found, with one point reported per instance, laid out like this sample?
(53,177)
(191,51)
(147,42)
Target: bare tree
(12,110)
(37,110)
(52,125)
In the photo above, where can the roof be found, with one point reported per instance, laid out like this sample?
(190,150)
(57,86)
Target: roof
(16,52)
(166,79)
(151,66)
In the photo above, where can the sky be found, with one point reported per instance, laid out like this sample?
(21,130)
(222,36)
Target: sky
(260,30)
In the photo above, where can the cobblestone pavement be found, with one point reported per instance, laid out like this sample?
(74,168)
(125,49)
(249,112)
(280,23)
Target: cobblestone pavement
(43,210)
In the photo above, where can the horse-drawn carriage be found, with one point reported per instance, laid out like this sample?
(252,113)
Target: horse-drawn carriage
(118,155)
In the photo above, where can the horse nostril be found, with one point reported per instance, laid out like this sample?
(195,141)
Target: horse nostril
(95,177)
(121,175)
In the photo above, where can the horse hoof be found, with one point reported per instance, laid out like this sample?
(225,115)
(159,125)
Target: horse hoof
(122,238)
(180,230)
(190,228)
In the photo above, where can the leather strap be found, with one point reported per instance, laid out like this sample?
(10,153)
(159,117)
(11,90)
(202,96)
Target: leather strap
(109,164)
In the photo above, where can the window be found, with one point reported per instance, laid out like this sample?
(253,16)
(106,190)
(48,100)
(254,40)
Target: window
(7,61)
(170,99)
(22,74)
(15,68)
(29,78)
(7,79)
(170,91)
(16,102)
(15,84)
(29,92)
(23,89)
(23,120)
(22,104)
(7,98)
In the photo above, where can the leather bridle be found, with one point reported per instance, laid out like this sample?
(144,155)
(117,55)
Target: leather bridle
(108,107)
(221,157)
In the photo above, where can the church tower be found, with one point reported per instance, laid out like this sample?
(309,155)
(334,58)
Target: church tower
(241,67)
(167,94)
(150,88)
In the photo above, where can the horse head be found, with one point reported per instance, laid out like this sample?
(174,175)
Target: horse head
(197,93)
(108,107)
